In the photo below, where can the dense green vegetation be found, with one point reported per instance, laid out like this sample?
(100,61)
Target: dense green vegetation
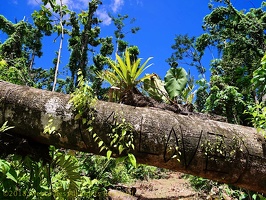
(236,89)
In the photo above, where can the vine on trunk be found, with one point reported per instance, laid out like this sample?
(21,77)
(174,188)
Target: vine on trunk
(120,138)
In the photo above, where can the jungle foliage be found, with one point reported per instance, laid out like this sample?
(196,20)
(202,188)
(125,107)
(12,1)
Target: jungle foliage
(235,90)
(236,40)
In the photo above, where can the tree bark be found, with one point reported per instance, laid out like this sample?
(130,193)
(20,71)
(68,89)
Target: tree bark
(215,150)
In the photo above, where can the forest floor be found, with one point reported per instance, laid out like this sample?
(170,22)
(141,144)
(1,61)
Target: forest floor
(174,186)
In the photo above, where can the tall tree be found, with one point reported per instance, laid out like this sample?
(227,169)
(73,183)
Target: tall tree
(120,32)
(19,51)
(239,38)
(83,32)
(62,10)
(50,20)
(186,53)
(83,37)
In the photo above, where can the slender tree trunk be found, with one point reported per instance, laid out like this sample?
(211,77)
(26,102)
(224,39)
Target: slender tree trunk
(32,61)
(216,150)
(60,46)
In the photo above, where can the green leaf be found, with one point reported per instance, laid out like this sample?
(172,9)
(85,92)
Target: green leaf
(124,132)
(120,159)
(4,166)
(108,154)
(142,68)
(84,120)
(102,148)
(132,160)
(12,175)
(155,88)
(128,62)
(135,67)
(120,69)
(90,129)
(100,143)
(5,127)
(120,148)
(65,184)
(77,116)
(175,81)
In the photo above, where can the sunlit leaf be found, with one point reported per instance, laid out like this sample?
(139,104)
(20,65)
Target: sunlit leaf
(108,154)
(132,160)
(120,148)
(175,81)
(100,143)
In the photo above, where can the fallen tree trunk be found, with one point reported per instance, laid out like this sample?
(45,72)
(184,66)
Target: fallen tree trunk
(215,150)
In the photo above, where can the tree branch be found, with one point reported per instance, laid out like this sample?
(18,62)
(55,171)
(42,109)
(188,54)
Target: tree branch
(216,150)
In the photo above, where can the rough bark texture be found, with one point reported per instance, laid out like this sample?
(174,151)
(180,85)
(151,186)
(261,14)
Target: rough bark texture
(216,150)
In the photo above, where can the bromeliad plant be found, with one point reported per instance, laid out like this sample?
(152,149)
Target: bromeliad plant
(125,73)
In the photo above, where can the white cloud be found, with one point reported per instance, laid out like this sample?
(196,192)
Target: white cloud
(72,4)
(76,4)
(103,15)
(34,2)
(116,5)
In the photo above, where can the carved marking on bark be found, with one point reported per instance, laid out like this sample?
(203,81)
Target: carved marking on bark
(232,161)
(144,143)
(215,134)
(108,117)
(189,155)
(170,146)
(217,155)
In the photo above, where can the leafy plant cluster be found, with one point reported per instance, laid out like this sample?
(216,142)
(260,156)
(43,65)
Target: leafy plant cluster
(121,135)
(258,109)
(123,76)
(214,190)
(235,40)
(176,87)
(258,113)
(70,175)
(65,178)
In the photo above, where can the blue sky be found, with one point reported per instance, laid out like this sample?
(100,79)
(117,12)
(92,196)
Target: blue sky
(159,21)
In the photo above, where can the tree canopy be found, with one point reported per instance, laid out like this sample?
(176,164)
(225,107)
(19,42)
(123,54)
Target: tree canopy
(238,38)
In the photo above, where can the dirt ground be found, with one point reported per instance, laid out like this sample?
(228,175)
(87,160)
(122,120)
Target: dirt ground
(172,187)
